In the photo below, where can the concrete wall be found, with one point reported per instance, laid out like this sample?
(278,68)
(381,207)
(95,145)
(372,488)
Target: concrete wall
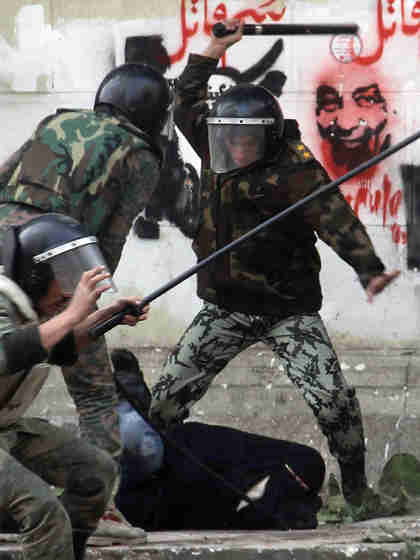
(54,53)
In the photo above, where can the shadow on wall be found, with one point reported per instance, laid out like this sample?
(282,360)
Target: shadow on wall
(176,197)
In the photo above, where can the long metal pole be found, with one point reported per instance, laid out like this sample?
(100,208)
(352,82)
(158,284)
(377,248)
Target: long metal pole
(105,326)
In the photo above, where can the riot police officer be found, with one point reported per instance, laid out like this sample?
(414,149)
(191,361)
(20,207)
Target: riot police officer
(99,166)
(53,275)
(254,165)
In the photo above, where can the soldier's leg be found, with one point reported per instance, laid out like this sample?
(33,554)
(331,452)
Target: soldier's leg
(90,381)
(36,455)
(91,385)
(43,522)
(311,363)
(214,337)
(86,474)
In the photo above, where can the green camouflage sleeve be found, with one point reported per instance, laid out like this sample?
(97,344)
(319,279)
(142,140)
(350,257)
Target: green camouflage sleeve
(137,176)
(337,225)
(9,166)
(13,338)
(329,214)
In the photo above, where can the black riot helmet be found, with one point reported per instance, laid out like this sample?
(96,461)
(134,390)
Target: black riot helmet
(140,93)
(245,125)
(50,246)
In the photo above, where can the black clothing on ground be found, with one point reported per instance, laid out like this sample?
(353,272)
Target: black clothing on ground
(184,496)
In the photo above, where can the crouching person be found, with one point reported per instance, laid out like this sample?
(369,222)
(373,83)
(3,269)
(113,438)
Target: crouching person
(53,276)
(199,476)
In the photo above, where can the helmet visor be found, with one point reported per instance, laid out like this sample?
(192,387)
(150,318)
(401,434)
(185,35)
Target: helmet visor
(236,142)
(71,260)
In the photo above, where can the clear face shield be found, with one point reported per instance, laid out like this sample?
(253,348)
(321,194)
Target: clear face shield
(236,142)
(71,260)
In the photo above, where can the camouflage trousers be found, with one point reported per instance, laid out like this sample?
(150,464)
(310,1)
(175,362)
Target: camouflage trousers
(301,342)
(34,454)
(90,380)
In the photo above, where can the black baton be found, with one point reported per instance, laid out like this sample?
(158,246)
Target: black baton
(105,326)
(220,30)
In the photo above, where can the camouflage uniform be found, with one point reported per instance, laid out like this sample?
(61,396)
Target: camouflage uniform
(101,170)
(35,454)
(266,289)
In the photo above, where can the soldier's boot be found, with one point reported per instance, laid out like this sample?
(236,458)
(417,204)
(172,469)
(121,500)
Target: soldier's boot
(353,481)
(363,502)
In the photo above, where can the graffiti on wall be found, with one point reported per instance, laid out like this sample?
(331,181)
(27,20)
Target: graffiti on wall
(384,201)
(355,121)
(198,16)
(392,16)
(352,120)
(176,197)
(354,116)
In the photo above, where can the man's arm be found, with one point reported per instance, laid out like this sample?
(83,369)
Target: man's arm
(337,225)
(138,175)
(191,86)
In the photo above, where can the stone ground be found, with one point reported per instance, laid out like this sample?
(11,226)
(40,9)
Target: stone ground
(381,539)
(254,394)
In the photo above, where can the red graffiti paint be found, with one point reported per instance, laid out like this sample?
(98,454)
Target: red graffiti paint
(205,17)
(380,201)
(352,116)
(392,17)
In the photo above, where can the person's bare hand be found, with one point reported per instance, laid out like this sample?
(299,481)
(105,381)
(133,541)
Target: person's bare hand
(132,319)
(378,283)
(235,25)
(87,293)
(218,45)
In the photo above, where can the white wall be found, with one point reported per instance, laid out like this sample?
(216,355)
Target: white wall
(53,54)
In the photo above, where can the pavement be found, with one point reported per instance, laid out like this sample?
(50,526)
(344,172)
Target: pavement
(382,539)
(254,394)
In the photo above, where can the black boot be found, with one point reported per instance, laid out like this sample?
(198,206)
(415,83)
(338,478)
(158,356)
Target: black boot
(363,502)
(353,481)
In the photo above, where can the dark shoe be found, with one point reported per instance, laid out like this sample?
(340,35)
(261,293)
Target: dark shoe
(375,505)
(353,481)
(129,380)
(370,505)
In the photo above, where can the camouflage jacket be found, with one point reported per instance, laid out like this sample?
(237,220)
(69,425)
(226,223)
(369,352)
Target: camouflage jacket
(97,168)
(275,271)
(22,374)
